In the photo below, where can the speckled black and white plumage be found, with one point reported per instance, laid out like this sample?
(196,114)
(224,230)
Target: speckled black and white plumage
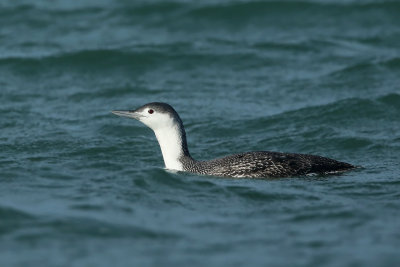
(260,164)
(265,164)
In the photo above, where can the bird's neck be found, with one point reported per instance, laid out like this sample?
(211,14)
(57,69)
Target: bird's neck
(173,146)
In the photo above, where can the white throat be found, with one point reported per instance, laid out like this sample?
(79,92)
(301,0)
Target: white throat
(170,142)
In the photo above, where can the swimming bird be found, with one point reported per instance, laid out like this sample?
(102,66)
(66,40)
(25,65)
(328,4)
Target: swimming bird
(171,136)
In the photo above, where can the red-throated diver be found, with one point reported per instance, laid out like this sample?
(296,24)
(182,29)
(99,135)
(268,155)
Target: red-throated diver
(170,133)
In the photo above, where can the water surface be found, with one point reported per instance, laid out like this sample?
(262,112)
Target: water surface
(82,187)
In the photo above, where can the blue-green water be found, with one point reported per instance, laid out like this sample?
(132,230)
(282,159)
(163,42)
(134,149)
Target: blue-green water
(81,187)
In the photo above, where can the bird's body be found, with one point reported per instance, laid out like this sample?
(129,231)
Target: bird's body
(170,133)
(266,164)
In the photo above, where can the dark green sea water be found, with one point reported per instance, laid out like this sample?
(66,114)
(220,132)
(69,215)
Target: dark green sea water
(82,187)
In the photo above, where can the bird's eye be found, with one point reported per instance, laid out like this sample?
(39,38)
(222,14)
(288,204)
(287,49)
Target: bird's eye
(150,111)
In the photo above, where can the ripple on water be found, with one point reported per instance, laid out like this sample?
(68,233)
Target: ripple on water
(13,219)
(84,227)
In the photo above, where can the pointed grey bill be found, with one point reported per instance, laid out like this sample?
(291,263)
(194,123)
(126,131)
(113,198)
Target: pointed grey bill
(127,113)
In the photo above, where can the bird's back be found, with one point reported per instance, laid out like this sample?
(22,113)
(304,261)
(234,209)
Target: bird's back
(267,164)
